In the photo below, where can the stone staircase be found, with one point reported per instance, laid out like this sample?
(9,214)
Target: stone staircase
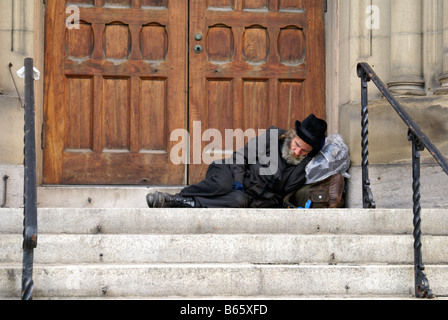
(123,253)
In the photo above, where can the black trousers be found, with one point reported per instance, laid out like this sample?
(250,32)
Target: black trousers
(216,190)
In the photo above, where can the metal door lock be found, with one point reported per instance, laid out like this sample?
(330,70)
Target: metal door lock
(198,48)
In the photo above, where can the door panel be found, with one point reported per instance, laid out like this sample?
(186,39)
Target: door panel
(262,64)
(115,90)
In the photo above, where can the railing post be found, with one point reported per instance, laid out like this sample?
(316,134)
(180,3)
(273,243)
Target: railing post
(367,196)
(30,192)
(422,289)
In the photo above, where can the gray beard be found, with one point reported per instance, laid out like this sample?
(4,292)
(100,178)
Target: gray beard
(289,155)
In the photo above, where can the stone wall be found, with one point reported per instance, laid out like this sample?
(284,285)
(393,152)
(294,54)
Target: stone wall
(16,34)
(21,35)
(405,41)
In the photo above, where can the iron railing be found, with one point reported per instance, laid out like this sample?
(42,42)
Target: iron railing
(30,192)
(419,142)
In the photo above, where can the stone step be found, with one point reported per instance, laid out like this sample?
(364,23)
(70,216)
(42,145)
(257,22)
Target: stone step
(226,221)
(213,248)
(208,280)
(97,196)
(221,281)
(94,253)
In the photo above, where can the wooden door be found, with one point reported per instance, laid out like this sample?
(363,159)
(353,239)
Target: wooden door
(262,63)
(115,89)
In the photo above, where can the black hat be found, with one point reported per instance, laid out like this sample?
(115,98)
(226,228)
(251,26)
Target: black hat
(312,130)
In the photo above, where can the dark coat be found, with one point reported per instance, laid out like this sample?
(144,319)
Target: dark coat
(267,190)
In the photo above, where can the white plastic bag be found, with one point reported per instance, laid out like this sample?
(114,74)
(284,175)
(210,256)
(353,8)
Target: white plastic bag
(334,158)
(36,73)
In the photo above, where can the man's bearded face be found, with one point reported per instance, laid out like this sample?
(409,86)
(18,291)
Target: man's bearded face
(295,149)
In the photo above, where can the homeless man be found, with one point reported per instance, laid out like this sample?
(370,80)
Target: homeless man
(249,179)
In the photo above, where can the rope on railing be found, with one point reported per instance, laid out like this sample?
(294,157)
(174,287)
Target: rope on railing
(419,142)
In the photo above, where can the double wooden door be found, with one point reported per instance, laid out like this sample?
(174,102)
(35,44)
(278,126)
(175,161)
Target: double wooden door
(126,76)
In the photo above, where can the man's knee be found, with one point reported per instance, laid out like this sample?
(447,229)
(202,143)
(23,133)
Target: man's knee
(220,178)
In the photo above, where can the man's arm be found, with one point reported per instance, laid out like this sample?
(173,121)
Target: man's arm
(257,150)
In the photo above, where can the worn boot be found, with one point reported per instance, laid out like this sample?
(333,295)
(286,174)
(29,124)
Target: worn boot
(165,200)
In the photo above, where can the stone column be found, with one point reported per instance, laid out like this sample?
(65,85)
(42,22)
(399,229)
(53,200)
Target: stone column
(432,43)
(444,77)
(406,48)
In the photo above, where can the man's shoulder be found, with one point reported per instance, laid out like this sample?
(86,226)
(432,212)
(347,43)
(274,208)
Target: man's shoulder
(279,131)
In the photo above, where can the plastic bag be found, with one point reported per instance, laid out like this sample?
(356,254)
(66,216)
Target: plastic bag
(334,158)
(36,73)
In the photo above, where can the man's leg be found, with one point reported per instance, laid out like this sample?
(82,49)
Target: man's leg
(215,191)
(234,199)
(218,182)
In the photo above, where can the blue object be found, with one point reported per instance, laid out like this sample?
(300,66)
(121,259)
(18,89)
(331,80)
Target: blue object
(307,205)
(238,186)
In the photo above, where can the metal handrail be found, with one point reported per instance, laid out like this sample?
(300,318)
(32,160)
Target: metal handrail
(419,142)
(30,189)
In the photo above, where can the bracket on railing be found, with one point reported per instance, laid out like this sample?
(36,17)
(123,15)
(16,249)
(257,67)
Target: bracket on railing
(15,85)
